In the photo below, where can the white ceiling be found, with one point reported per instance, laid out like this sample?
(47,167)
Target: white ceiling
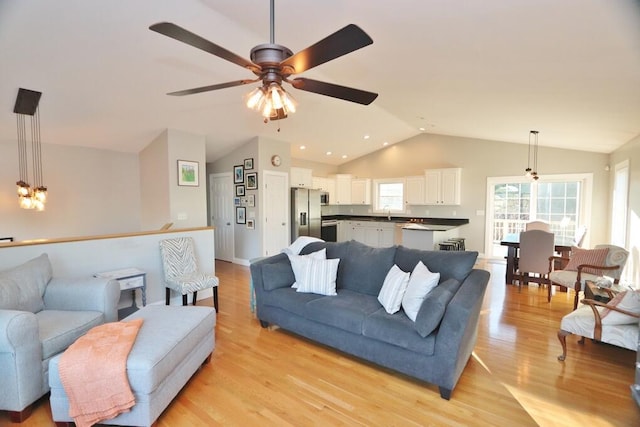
(489,69)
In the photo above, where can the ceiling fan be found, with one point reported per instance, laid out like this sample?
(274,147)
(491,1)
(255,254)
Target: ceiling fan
(274,64)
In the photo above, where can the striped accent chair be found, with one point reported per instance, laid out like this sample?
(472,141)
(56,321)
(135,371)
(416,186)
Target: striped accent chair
(607,260)
(181,272)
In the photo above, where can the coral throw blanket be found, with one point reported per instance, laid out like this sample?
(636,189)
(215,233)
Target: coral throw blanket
(93,372)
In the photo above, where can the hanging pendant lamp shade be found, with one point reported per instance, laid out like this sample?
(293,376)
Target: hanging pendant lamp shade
(29,197)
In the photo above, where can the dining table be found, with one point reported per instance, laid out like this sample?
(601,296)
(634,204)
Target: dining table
(562,247)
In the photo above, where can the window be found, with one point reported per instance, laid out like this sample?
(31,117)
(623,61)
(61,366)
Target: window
(388,195)
(561,200)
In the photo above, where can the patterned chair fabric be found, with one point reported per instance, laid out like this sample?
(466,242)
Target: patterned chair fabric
(616,256)
(181,272)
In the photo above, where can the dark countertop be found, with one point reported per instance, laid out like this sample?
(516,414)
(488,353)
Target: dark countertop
(455,222)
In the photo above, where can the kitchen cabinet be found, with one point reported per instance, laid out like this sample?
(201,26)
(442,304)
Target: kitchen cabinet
(376,234)
(414,190)
(344,231)
(442,186)
(343,190)
(325,184)
(300,177)
(361,191)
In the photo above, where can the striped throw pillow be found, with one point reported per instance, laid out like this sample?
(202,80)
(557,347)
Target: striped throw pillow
(587,256)
(393,289)
(321,254)
(316,276)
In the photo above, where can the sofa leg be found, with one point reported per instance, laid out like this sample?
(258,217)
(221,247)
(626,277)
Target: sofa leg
(445,393)
(20,416)
(264,324)
(184,300)
(195,297)
(168,296)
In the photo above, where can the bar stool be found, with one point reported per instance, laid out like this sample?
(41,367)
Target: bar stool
(447,246)
(460,242)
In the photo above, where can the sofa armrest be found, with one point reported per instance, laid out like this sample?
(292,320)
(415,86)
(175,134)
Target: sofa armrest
(20,359)
(84,294)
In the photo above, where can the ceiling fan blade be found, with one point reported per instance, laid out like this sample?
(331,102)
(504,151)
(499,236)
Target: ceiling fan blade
(178,33)
(336,91)
(340,43)
(211,87)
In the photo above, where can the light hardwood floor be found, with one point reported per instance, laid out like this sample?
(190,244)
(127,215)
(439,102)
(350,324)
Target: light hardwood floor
(270,377)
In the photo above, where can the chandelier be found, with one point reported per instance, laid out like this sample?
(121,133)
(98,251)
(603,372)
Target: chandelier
(529,173)
(29,197)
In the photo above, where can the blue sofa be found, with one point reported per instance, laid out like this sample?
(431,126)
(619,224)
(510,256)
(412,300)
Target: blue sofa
(40,316)
(435,348)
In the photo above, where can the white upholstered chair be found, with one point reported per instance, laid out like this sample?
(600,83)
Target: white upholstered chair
(618,327)
(537,225)
(575,274)
(181,273)
(536,246)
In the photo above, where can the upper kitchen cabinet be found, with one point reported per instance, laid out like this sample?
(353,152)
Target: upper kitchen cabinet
(327,185)
(361,191)
(343,190)
(414,190)
(300,177)
(442,186)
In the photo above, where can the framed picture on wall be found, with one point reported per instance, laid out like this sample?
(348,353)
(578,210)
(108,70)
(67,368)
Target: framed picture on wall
(250,224)
(238,174)
(188,173)
(239,190)
(252,181)
(241,215)
(248,164)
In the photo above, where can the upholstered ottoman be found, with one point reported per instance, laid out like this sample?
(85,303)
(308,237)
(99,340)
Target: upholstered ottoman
(173,342)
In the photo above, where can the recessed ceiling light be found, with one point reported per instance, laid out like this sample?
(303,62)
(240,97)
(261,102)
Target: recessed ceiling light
(366,137)
(421,129)
(329,153)
(302,147)
(384,144)
(344,156)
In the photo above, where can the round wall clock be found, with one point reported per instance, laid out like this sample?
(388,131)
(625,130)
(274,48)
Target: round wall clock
(275,160)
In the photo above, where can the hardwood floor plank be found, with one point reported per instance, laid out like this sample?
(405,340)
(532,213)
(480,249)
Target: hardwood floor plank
(270,377)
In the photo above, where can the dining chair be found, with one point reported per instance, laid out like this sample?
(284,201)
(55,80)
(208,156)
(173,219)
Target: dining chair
(537,225)
(181,272)
(587,264)
(536,246)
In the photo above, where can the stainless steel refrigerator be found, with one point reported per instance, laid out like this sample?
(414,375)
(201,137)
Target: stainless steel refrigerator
(305,213)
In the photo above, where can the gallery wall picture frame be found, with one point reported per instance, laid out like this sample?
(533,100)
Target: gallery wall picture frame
(188,173)
(252,181)
(241,215)
(251,200)
(238,174)
(236,201)
(248,163)
(240,190)
(250,224)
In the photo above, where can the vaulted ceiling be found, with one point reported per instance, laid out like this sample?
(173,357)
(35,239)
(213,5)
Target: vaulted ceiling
(489,69)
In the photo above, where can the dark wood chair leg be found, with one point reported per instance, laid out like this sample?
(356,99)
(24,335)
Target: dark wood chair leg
(64,424)
(215,298)
(168,296)
(20,416)
(184,300)
(195,295)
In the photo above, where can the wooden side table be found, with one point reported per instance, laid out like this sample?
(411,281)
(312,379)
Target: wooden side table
(592,291)
(130,279)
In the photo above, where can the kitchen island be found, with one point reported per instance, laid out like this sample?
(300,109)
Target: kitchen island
(427,237)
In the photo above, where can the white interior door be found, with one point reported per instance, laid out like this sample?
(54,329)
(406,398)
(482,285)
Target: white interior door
(276,212)
(620,204)
(222,214)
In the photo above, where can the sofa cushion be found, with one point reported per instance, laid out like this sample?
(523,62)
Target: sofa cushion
(278,275)
(364,268)
(289,300)
(393,289)
(450,264)
(434,306)
(59,329)
(347,311)
(26,284)
(397,329)
(421,282)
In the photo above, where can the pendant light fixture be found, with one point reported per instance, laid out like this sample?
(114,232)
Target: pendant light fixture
(532,173)
(29,197)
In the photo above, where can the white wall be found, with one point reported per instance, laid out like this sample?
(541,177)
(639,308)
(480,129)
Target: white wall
(91,192)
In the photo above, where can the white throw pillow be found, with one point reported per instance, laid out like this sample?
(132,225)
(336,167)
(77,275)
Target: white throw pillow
(317,276)
(395,283)
(421,282)
(296,266)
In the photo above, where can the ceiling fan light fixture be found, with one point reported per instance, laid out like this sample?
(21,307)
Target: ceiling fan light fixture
(255,98)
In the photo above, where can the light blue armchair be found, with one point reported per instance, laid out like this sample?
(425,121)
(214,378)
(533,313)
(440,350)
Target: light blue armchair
(40,316)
